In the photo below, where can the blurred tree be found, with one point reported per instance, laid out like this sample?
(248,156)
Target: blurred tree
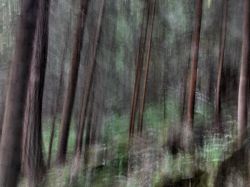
(32,154)
(193,75)
(220,66)
(138,71)
(56,106)
(10,147)
(72,82)
(244,79)
(89,82)
(142,67)
(147,56)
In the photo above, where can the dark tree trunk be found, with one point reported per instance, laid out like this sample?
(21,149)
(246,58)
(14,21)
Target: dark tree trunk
(188,124)
(220,66)
(194,63)
(32,154)
(141,75)
(89,81)
(89,126)
(10,147)
(243,84)
(148,47)
(139,66)
(56,105)
(71,85)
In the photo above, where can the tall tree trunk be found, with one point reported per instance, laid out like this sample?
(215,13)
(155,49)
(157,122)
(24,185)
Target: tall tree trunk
(194,63)
(32,154)
(188,125)
(220,66)
(243,84)
(72,82)
(139,65)
(89,125)
(10,147)
(148,43)
(56,105)
(89,81)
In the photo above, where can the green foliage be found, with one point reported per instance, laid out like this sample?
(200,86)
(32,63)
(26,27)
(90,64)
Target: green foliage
(46,138)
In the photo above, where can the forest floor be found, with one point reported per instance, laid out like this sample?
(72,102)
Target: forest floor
(145,162)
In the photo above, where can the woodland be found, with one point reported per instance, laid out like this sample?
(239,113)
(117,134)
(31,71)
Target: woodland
(124,93)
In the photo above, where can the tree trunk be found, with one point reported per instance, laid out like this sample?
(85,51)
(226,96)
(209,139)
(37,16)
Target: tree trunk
(10,147)
(139,65)
(32,154)
(194,63)
(89,126)
(56,106)
(148,43)
(89,81)
(243,84)
(71,85)
(220,66)
(187,138)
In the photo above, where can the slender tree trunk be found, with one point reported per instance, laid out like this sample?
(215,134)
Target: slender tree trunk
(32,154)
(58,96)
(89,81)
(89,126)
(243,84)
(72,82)
(194,63)
(187,138)
(148,43)
(220,66)
(139,65)
(10,147)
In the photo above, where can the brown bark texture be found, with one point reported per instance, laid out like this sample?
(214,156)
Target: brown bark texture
(72,82)
(89,81)
(139,65)
(220,66)
(194,63)
(142,67)
(32,154)
(243,84)
(59,91)
(148,46)
(10,147)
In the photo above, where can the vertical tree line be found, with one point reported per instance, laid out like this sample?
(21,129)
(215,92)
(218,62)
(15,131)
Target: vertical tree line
(244,76)
(22,153)
(72,82)
(10,146)
(193,76)
(218,119)
(142,67)
(32,152)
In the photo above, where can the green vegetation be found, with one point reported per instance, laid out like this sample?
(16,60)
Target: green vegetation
(115,154)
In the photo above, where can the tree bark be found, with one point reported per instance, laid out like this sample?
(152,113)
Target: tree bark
(148,47)
(10,147)
(194,63)
(220,66)
(243,84)
(139,65)
(187,137)
(89,126)
(32,154)
(71,85)
(89,81)
(56,106)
